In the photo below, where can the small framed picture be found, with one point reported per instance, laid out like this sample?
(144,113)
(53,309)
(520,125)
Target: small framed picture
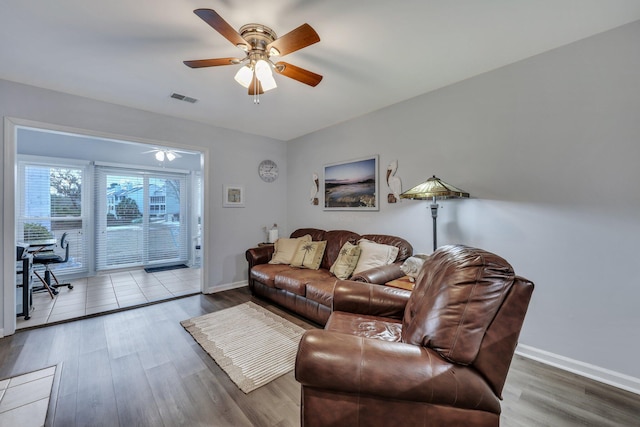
(233,196)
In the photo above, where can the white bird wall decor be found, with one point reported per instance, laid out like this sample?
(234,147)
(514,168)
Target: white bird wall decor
(314,189)
(394,182)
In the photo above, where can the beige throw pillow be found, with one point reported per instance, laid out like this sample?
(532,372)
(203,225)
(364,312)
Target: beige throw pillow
(374,255)
(346,261)
(309,255)
(285,249)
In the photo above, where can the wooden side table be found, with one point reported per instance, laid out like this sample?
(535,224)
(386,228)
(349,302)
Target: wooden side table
(402,283)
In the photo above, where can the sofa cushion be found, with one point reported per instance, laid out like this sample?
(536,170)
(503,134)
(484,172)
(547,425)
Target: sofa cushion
(295,279)
(285,249)
(374,255)
(266,273)
(335,240)
(405,248)
(309,255)
(315,233)
(456,297)
(347,261)
(321,291)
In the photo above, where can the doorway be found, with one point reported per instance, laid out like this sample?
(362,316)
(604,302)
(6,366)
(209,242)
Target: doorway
(171,213)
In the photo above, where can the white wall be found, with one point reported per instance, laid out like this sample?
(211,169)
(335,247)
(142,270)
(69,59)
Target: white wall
(233,159)
(549,149)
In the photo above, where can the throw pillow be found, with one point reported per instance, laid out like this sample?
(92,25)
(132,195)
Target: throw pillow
(374,255)
(284,249)
(346,261)
(412,265)
(309,255)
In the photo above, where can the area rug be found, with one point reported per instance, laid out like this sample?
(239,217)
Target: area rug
(251,344)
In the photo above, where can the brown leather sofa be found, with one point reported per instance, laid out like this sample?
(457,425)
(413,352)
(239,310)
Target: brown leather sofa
(438,356)
(309,293)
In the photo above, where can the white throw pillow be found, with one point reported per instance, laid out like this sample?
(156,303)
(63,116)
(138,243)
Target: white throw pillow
(412,265)
(374,255)
(285,249)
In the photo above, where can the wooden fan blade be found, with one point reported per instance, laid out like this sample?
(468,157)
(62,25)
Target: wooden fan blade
(297,73)
(212,18)
(255,84)
(199,63)
(302,36)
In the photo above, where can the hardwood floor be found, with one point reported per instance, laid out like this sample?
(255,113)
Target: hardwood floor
(141,368)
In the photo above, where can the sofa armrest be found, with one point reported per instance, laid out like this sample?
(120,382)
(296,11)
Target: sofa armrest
(259,255)
(346,363)
(370,299)
(380,275)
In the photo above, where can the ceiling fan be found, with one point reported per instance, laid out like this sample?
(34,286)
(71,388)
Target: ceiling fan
(162,153)
(260,43)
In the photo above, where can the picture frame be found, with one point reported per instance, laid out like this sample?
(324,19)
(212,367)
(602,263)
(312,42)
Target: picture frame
(233,196)
(352,185)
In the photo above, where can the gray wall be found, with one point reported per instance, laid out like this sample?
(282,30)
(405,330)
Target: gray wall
(549,149)
(233,159)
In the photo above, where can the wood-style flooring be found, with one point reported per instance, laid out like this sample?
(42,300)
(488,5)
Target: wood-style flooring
(141,368)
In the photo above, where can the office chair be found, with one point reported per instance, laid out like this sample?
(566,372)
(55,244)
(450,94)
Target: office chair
(50,257)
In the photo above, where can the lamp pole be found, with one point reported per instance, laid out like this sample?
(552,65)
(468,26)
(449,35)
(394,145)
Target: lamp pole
(434,215)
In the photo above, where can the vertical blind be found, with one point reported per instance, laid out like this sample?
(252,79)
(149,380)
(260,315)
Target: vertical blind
(141,218)
(51,203)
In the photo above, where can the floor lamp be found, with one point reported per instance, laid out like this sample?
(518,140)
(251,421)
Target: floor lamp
(434,189)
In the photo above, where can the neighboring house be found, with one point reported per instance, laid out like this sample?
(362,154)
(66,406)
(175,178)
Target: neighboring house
(164,203)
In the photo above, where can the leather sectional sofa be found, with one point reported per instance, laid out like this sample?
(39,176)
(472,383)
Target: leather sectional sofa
(309,292)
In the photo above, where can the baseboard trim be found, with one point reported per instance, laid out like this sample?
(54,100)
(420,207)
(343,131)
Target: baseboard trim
(225,287)
(596,373)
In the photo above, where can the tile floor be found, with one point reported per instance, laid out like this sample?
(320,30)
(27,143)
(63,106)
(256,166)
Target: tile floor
(24,399)
(108,292)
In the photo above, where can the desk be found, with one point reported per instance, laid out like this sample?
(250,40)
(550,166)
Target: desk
(402,283)
(23,280)
(39,245)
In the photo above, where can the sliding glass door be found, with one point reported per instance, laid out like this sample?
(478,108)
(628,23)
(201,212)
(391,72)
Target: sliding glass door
(141,218)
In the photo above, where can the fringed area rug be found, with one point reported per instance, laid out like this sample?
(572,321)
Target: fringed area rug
(251,344)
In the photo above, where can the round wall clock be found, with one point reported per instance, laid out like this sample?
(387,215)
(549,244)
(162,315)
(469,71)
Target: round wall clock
(268,170)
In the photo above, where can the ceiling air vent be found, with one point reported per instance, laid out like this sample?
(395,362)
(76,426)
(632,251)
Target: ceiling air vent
(183,98)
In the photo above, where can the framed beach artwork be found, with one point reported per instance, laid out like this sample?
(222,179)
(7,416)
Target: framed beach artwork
(233,196)
(352,185)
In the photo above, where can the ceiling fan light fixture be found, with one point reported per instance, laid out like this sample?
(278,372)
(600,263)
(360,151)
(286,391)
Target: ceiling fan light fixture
(268,83)
(264,74)
(171,156)
(160,156)
(244,76)
(274,52)
(263,70)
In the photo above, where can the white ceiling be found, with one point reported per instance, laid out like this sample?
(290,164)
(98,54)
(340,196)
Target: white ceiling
(372,53)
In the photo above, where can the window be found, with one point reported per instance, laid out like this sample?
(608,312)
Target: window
(52,203)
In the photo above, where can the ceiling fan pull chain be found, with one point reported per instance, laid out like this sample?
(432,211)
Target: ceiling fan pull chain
(256,92)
